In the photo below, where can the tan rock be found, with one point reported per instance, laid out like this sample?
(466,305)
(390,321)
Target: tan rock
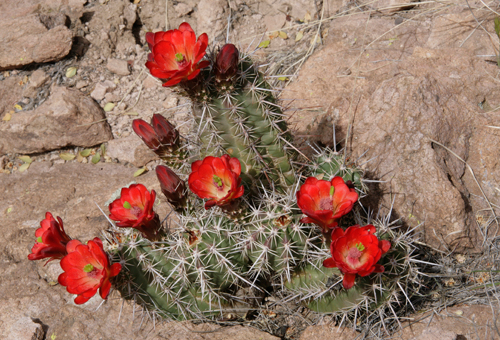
(10,93)
(37,79)
(26,40)
(118,66)
(66,118)
(212,17)
(328,332)
(130,149)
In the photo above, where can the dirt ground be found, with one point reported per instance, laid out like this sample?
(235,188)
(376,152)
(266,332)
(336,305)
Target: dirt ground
(410,88)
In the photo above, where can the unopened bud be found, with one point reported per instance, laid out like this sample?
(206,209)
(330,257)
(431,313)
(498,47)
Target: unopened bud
(226,64)
(166,132)
(172,187)
(147,133)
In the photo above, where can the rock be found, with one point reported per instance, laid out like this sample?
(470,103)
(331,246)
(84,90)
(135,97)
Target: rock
(25,328)
(10,94)
(446,25)
(473,322)
(66,118)
(393,6)
(212,17)
(101,89)
(118,66)
(183,9)
(26,40)
(143,155)
(130,15)
(130,150)
(207,331)
(37,79)
(57,19)
(434,333)
(10,9)
(328,332)
(397,113)
(150,83)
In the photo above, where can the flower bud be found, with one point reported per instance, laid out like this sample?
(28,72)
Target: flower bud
(172,186)
(226,64)
(166,132)
(160,136)
(147,133)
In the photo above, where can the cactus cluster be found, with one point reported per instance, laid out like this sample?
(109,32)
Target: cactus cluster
(224,260)
(250,240)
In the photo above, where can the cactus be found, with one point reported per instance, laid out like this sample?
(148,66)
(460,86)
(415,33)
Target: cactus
(258,242)
(250,238)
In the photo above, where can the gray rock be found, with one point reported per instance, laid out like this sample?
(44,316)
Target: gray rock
(66,118)
(118,66)
(27,40)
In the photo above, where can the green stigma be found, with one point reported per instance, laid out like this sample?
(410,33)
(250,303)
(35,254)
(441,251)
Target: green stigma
(127,205)
(179,57)
(360,246)
(88,268)
(218,180)
(39,240)
(332,190)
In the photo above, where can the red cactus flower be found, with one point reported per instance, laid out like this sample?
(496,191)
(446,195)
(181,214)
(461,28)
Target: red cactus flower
(51,240)
(325,202)
(356,251)
(161,136)
(134,209)
(172,186)
(217,178)
(226,64)
(86,269)
(176,55)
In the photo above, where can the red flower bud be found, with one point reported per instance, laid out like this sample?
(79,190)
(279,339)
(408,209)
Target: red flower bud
(134,209)
(147,133)
(325,202)
(356,251)
(86,269)
(176,55)
(161,136)
(51,240)
(172,186)
(226,64)
(217,178)
(166,132)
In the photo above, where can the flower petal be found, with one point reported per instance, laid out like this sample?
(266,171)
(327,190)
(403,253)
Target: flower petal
(348,281)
